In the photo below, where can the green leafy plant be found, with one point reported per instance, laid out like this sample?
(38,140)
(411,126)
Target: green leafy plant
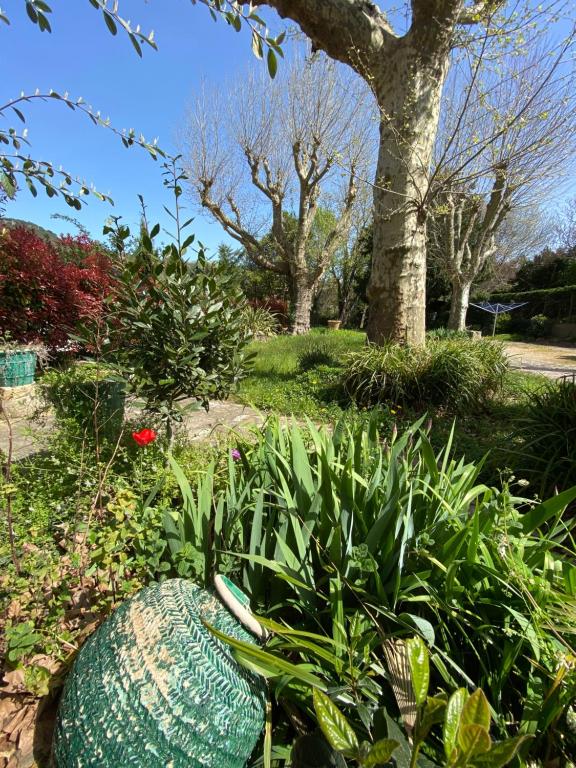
(318,351)
(539,327)
(90,396)
(350,535)
(457,373)
(261,322)
(542,446)
(446,333)
(466,722)
(128,543)
(21,639)
(178,327)
(464,738)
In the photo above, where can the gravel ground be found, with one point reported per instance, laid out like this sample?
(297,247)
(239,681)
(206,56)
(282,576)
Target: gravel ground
(552,360)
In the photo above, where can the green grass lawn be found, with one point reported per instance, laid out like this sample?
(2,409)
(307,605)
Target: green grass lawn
(279,355)
(276,383)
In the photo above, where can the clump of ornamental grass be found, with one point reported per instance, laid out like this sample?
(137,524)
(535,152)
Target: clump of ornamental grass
(454,373)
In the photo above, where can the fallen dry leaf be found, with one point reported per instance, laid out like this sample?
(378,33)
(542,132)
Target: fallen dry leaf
(14,681)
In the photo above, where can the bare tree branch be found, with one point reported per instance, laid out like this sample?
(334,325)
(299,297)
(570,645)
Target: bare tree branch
(279,154)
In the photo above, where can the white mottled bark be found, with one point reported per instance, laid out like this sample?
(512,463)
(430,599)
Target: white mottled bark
(302,302)
(459,305)
(409,102)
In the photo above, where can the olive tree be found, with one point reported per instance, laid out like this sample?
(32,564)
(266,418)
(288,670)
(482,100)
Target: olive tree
(279,166)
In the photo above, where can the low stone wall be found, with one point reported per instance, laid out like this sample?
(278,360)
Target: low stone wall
(19,402)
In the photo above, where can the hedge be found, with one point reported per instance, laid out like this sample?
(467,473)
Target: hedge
(555,303)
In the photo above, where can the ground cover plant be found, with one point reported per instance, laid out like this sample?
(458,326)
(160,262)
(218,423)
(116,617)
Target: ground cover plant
(279,381)
(85,535)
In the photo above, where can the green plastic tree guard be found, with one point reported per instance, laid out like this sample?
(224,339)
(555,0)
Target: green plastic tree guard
(17,367)
(153,688)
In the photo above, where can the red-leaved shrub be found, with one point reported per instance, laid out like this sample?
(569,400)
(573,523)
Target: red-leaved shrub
(47,288)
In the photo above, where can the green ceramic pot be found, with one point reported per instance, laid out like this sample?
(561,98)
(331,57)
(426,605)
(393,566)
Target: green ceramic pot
(153,688)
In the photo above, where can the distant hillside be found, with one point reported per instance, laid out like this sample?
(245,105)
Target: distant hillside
(45,234)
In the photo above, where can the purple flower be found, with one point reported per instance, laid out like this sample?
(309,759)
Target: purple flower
(235,453)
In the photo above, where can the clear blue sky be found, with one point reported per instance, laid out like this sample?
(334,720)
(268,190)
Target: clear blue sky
(148,94)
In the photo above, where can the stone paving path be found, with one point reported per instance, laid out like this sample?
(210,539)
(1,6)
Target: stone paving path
(32,436)
(222,417)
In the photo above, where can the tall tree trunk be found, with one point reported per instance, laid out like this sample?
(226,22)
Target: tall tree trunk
(408,94)
(303,298)
(407,75)
(459,305)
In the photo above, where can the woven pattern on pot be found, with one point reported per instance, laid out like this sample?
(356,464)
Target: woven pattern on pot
(154,688)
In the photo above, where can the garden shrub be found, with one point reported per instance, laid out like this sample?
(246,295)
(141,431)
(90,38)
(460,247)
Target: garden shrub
(44,297)
(554,302)
(178,331)
(519,324)
(90,395)
(503,322)
(316,351)
(275,306)
(446,333)
(454,373)
(540,326)
(261,323)
(542,448)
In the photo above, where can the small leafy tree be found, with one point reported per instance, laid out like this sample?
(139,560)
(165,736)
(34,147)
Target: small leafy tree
(181,329)
(178,325)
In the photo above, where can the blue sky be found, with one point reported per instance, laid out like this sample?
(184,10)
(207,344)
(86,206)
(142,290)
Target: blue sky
(148,94)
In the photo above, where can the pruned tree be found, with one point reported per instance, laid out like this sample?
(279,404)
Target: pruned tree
(278,166)
(514,145)
(525,231)
(464,237)
(351,265)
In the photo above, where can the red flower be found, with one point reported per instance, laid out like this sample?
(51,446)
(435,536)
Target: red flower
(144,437)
